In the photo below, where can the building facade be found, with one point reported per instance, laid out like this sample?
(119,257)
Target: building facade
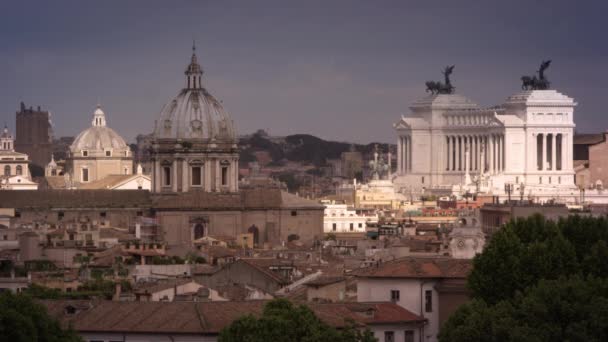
(98,152)
(448,141)
(338,218)
(34,135)
(194,145)
(13,165)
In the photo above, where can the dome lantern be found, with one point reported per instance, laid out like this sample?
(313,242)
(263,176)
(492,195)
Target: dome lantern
(194,72)
(99,117)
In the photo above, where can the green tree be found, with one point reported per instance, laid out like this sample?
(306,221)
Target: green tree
(283,321)
(566,309)
(538,280)
(21,319)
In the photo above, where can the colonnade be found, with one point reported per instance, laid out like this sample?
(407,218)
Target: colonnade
(486,152)
(550,154)
(404,154)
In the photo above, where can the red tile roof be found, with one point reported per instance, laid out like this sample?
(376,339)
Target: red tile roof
(419,267)
(206,318)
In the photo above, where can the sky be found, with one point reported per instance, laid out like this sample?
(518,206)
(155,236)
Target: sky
(341,70)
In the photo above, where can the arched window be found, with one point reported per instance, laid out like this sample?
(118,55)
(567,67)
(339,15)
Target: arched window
(7,170)
(199,231)
(19,170)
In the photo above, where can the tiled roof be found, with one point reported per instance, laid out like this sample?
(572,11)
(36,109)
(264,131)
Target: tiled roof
(206,318)
(419,267)
(75,199)
(109,181)
(325,280)
(246,199)
(263,265)
(160,285)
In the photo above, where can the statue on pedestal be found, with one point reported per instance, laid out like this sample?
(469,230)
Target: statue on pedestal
(534,83)
(442,88)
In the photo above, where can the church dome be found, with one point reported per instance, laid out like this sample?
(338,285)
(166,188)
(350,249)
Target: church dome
(98,137)
(194,114)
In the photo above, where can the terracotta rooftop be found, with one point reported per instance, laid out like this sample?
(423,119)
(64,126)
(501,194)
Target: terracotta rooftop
(205,318)
(325,280)
(109,181)
(418,267)
(75,199)
(160,285)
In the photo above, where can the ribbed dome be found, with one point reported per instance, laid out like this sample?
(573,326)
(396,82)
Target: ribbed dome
(194,114)
(98,137)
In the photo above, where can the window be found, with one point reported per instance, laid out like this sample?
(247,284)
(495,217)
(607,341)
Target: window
(166,176)
(294,213)
(549,180)
(7,170)
(360,225)
(428,301)
(85,175)
(197,179)
(85,153)
(540,180)
(517,180)
(126,171)
(224,175)
(140,213)
(352,227)
(60,215)
(19,170)
(559,180)
(389,336)
(422,180)
(17,214)
(395,295)
(408,336)
(334,226)
(102,214)
(108,153)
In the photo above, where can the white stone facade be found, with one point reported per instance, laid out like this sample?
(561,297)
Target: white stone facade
(449,142)
(338,218)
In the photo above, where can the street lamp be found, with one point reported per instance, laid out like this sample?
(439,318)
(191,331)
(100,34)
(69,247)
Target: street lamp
(508,190)
(522,190)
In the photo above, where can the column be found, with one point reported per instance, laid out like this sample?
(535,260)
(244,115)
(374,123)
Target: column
(157,176)
(543,151)
(475,153)
(174,176)
(185,180)
(553,152)
(399,157)
(453,153)
(207,186)
(499,153)
(459,153)
(410,152)
(447,146)
(491,161)
(405,154)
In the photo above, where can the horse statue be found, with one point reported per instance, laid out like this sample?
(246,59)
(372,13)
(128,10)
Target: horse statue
(441,88)
(534,83)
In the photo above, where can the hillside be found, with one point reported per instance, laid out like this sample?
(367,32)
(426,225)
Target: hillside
(303,148)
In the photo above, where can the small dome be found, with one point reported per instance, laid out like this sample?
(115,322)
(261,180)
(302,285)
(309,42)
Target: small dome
(99,136)
(194,114)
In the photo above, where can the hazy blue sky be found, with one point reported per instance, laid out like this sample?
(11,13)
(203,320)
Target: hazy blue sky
(343,70)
